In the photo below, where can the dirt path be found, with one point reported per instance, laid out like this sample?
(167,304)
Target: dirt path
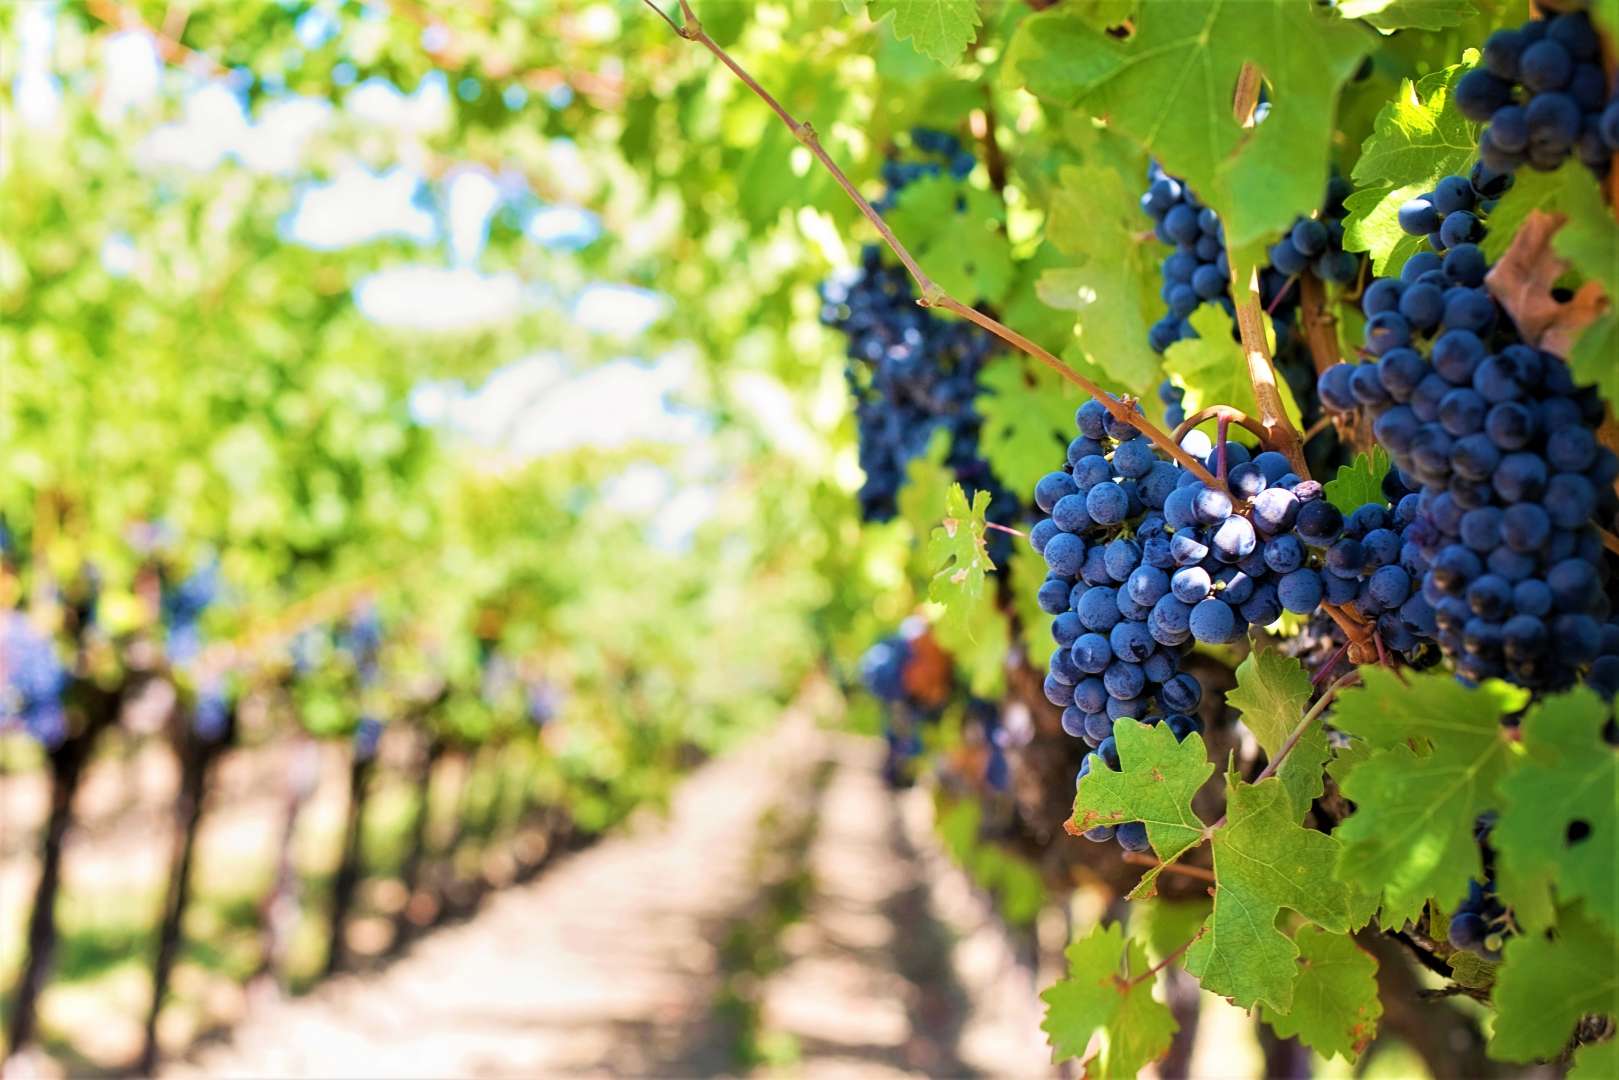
(617,959)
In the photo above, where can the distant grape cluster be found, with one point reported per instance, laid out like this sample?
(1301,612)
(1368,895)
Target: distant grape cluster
(183,606)
(1542,95)
(32,682)
(1501,445)
(882,669)
(912,373)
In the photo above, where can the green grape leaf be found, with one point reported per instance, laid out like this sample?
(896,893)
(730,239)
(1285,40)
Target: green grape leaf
(1596,1061)
(1272,695)
(977,633)
(1265,861)
(1471,970)
(1169,86)
(1559,821)
(1157,779)
(960,555)
(1096,218)
(1101,996)
(1359,483)
(1591,359)
(1105,14)
(1546,982)
(940,29)
(1391,15)
(1417,139)
(1438,750)
(954,230)
(1212,369)
(1335,1000)
(1165,925)
(1028,413)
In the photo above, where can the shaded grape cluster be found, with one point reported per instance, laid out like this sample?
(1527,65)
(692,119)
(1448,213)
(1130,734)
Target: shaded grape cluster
(1480,921)
(912,373)
(1501,445)
(1455,214)
(882,670)
(1541,93)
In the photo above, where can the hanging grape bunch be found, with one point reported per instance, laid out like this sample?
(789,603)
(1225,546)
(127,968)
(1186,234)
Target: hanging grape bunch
(1542,96)
(1501,445)
(911,372)
(913,678)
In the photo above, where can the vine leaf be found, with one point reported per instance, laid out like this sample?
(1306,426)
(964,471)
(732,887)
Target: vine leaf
(940,29)
(1559,821)
(954,231)
(1417,139)
(1170,87)
(1100,997)
(1391,15)
(1212,369)
(1096,219)
(1034,625)
(1547,982)
(1028,418)
(1155,783)
(1273,691)
(1438,750)
(1596,1061)
(1265,861)
(1335,1000)
(1359,482)
(1471,970)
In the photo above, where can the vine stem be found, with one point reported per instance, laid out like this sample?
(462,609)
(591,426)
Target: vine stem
(1141,858)
(1309,718)
(932,294)
(1005,529)
(1251,320)
(1179,951)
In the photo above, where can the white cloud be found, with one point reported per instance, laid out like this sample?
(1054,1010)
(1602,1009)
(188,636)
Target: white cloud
(567,228)
(471,196)
(133,73)
(377,101)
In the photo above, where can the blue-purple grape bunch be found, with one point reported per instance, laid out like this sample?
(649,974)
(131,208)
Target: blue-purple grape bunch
(33,681)
(882,669)
(1455,214)
(1541,93)
(1500,445)
(1198,271)
(1144,559)
(1479,923)
(911,372)
(183,605)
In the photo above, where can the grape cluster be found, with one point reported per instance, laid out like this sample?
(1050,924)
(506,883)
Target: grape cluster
(1501,445)
(1480,921)
(1198,271)
(1455,213)
(882,669)
(182,609)
(911,373)
(367,737)
(361,641)
(1173,398)
(950,157)
(1542,95)
(211,718)
(32,682)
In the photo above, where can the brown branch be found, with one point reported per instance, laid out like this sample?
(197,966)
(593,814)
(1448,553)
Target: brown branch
(1251,319)
(931,294)
(1320,324)
(994,159)
(1609,541)
(1317,428)
(1141,858)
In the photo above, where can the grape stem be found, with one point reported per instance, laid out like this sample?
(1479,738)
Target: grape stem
(931,294)
(1222,413)
(1310,717)
(1005,529)
(1170,958)
(1320,324)
(1141,858)
(1251,320)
